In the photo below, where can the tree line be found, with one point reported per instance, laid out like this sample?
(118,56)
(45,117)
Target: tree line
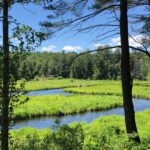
(97,66)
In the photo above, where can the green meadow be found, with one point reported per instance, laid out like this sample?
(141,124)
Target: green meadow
(105,133)
(63,105)
(43,83)
(89,95)
(139,91)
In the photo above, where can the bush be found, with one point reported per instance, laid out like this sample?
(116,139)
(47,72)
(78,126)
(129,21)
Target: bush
(79,137)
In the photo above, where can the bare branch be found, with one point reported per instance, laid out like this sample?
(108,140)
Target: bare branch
(110,31)
(93,14)
(96,26)
(107,36)
(114,11)
(139,42)
(83,18)
(140,50)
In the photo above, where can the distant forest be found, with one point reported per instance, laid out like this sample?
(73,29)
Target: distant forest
(98,65)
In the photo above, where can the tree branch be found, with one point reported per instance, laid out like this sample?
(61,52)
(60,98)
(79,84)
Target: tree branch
(107,36)
(110,31)
(139,42)
(96,26)
(93,14)
(140,50)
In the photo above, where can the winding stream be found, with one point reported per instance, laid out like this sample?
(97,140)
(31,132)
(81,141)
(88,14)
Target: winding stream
(48,92)
(45,122)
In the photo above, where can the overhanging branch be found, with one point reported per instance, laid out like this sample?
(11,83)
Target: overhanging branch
(96,26)
(93,14)
(140,50)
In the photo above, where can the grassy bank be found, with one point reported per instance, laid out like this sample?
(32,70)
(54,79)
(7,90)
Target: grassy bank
(63,105)
(43,83)
(103,133)
(139,91)
(97,95)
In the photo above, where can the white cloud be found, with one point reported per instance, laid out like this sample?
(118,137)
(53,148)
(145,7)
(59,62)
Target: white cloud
(49,48)
(135,41)
(115,41)
(71,48)
(137,38)
(98,45)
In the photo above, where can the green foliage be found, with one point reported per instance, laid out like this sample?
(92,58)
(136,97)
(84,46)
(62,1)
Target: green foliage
(68,138)
(107,65)
(27,40)
(146,20)
(83,67)
(0,65)
(99,65)
(28,143)
(103,133)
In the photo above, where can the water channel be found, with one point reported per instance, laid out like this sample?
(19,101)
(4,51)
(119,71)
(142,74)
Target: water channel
(49,121)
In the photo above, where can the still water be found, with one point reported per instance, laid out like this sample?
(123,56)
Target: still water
(48,92)
(45,122)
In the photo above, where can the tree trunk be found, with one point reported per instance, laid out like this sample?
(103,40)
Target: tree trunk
(125,72)
(5,88)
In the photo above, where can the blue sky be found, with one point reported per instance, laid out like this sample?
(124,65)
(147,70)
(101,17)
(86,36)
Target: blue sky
(31,15)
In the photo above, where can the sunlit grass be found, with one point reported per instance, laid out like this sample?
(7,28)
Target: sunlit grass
(43,84)
(63,105)
(101,95)
(97,95)
(142,120)
(93,130)
(112,89)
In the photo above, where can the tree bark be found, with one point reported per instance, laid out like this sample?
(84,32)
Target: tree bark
(125,72)
(5,88)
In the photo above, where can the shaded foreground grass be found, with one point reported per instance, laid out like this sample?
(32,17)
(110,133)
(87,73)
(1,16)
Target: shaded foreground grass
(63,105)
(103,133)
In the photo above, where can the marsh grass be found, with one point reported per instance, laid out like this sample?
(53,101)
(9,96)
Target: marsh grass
(62,105)
(111,89)
(103,133)
(96,95)
(43,84)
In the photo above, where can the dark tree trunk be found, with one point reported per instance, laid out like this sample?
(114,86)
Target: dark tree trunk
(125,72)
(5,88)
